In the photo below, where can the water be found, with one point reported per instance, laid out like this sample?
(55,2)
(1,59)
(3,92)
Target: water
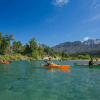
(21,80)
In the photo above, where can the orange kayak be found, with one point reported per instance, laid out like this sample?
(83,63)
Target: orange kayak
(29,61)
(5,62)
(57,66)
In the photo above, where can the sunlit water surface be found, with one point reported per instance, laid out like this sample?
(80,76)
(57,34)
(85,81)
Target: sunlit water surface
(22,80)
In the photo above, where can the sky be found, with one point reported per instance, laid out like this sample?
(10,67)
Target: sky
(50,21)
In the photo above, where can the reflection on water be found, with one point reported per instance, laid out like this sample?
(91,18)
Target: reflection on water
(57,69)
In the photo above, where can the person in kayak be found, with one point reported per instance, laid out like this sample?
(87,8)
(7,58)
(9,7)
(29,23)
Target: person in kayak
(91,62)
(48,62)
(4,60)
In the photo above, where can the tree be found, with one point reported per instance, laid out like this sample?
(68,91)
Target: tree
(52,53)
(87,57)
(17,46)
(27,49)
(80,56)
(5,42)
(47,50)
(41,50)
(33,45)
(35,55)
(1,37)
(63,54)
(66,55)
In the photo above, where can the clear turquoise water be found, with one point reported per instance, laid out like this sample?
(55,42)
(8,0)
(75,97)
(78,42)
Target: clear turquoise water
(21,80)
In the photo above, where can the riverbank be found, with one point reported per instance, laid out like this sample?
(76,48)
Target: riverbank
(21,57)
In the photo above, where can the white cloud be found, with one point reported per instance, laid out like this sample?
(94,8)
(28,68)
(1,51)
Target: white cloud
(60,2)
(86,38)
(93,18)
(97,17)
(95,5)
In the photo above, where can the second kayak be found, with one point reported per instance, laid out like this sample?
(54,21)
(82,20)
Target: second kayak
(29,61)
(57,66)
(5,62)
(92,66)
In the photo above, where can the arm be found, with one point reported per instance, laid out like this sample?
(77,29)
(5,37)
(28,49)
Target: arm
(92,63)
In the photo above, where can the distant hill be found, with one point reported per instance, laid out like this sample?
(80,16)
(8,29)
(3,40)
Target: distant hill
(41,45)
(77,46)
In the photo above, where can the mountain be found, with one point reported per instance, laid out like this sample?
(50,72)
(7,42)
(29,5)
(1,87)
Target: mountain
(92,42)
(41,45)
(75,47)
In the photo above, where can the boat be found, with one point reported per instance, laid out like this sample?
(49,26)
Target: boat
(57,66)
(85,65)
(29,61)
(5,62)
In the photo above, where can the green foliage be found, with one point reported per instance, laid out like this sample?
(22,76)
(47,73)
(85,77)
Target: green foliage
(1,39)
(35,55)
(17,46)
(52,53)
(1,57)
(41,50)
(5,42)
(9,37)
(66,55)
(10,57)
(63,54)
(47,50)
(80,57)
(33,45)
(87,57)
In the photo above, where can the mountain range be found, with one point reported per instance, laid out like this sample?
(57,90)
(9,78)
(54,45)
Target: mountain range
(92,42)
(78,46)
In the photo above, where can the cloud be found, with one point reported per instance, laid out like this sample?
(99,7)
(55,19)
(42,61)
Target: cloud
(95,5)
(97,17)
(60,2)
(86,38)
(92,18)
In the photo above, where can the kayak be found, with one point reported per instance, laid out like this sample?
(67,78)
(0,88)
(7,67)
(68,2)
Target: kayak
(57,66)
(5,62)
(92,66)
(29,61)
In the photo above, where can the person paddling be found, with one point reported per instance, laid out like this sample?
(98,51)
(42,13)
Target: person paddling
(4,60)
(48,62)
(91,62)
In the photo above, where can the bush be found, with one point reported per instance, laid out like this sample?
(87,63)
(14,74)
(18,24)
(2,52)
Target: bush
(1,57)
(10,57)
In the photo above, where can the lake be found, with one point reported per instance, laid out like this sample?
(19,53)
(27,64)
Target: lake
(22,80)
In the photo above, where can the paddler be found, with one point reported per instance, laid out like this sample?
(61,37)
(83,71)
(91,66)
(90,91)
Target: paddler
(60,60)
(91,62)
(4,60)
(49,62)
